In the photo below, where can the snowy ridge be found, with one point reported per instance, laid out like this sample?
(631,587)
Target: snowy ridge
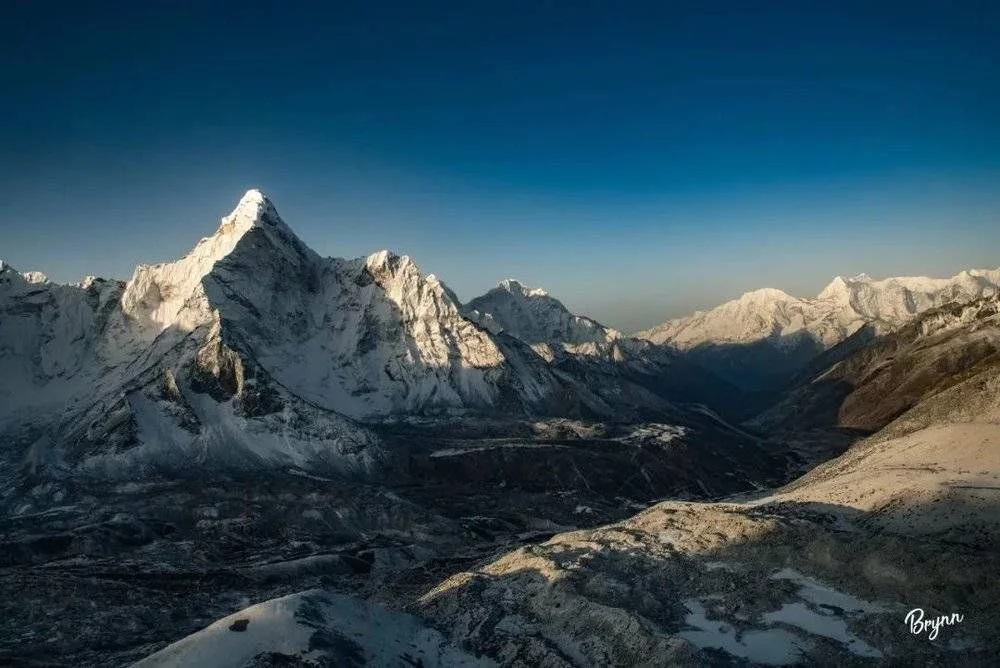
(371,337)
(47,329)
(836,313)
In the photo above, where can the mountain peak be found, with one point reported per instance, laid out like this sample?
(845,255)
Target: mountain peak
(253,210)
(252,237)
(35,277)
(514,286)
(541,321)
(835,288)
(10,275)
(385,262)
(840,286)
(253,195)
(767,294)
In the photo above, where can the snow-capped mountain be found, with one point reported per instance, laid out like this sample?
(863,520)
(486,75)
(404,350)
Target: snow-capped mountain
(367,337)
(249,349)
(613,364)
(765,335)
(543,322)
(116,379)
(252,349)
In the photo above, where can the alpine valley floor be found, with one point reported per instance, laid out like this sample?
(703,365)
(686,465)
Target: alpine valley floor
(305,571)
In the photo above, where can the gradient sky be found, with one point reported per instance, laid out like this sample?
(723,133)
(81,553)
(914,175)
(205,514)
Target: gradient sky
(638,162)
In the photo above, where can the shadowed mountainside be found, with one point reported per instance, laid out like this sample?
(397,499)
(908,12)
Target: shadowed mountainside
(864,383)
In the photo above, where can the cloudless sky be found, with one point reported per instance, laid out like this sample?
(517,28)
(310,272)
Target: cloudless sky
(636,160)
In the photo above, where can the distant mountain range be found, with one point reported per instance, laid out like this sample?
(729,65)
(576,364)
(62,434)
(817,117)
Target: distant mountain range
(865,382)
(762,339)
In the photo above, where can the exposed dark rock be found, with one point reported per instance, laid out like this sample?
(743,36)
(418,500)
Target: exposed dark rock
(239,625)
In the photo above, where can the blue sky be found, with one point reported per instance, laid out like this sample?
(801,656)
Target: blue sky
(638,162)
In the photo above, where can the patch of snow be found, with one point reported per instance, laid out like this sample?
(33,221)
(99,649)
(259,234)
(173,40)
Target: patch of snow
(825,624)
(821,611)
(773,647)
(35,277)
(718,566)
(820,594)
(654,433)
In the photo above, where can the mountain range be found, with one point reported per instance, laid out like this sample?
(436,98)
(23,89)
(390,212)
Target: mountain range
(252,349)
(290,443)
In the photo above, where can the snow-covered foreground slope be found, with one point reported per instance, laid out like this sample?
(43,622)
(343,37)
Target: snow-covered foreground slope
(314,628)
(766,335)
(822,572)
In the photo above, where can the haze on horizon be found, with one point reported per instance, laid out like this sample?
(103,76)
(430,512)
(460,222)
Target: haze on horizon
(637,163)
